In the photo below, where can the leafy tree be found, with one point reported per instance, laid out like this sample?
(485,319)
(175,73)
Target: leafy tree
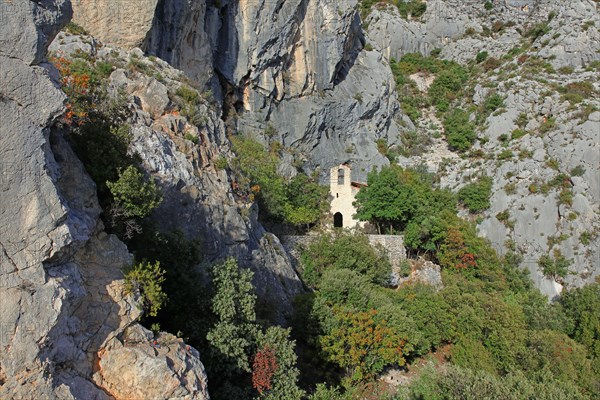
(456,383)
(236,339)
(392,197)
(307,200)
(147,279)
(263,369)
(363,343)
(299,202)
(557,267)
(233,304)
(581,306)
(448,83)
(344,251)
(136,195)
(560,356)
(284,380)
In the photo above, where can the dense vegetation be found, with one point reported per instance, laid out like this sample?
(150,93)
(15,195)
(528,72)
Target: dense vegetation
(299,201)
(487,332)
(501,332)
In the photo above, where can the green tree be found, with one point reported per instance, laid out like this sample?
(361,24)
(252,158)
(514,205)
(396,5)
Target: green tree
(233,304)
(284,384)
(363,344)
(147,279)
(236,338)
(344,251)
(392,197)
(476,196)
(306,200)
(134,194)
(581,306)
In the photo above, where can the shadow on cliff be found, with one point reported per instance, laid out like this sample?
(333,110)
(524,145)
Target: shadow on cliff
(222,232)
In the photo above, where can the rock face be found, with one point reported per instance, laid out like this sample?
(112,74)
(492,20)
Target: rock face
(300,67)
(297,66)
(124,23)
(198,198)
(546,177)
(64,309)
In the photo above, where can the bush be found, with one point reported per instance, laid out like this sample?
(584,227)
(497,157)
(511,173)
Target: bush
(344,251)
(493,102)
(460,132)
(481,56)
(537,31)
(147,279)
(557,267)
(476,196)
(299,202)
(447,85)
(136,195)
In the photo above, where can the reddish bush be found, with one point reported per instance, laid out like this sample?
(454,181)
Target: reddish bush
(263,369)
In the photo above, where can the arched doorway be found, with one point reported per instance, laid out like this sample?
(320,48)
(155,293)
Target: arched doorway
(338,220)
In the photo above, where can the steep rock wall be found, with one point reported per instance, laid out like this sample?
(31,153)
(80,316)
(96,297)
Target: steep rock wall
(64,308)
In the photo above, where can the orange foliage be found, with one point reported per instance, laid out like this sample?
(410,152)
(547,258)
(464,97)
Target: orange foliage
(75,86)
(263,369)
(454,252)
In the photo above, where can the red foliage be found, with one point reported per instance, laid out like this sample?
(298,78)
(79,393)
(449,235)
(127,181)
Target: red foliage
(263,369)
(468,260)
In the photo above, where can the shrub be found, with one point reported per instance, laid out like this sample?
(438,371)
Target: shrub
(344,251)
(488,5)
(447,85)
(221,162)
(557,267)
(414,143)
(192,138)
(493,102)
(578,171)
(74,29)
(518,133)
(481,56)
(505,155)
(476,196)
(537,31)
(147,279)
(503,216)
(460,132)
(363,343)
(136,195)
(491,64)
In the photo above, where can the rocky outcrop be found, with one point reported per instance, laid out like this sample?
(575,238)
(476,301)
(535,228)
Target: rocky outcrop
(198,197)
(461,29)
(64,306)
(308,77)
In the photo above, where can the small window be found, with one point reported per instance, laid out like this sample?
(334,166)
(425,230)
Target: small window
(340,176)
(337,195)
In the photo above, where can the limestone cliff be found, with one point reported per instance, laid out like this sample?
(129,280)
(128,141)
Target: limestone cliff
(561,136)
(296,65)
(66,322)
